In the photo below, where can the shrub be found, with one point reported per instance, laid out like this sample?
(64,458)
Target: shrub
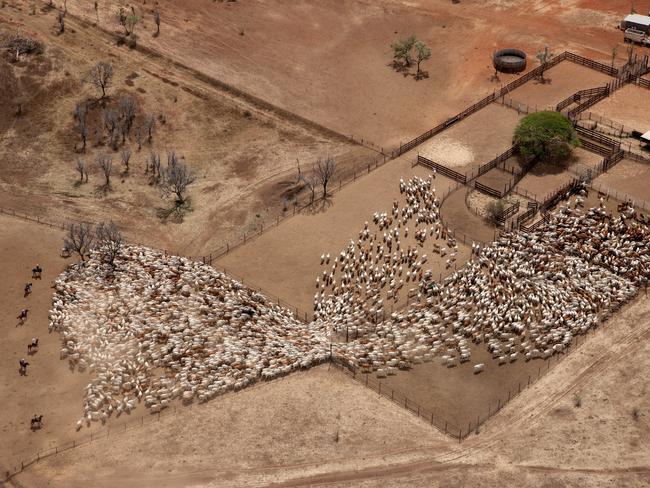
(494,210)
(546,136)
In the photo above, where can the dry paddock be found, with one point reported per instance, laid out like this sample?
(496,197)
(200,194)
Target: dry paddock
(629,106)
(285,260)
(474,140)
(628,178)
(544,178)
(49,388)
(562,81)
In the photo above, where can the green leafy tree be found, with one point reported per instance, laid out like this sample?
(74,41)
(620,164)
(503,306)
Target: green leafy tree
(546,136)
(402,50)
(422,53)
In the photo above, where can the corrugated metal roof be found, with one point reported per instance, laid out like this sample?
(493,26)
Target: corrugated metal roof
(638,19)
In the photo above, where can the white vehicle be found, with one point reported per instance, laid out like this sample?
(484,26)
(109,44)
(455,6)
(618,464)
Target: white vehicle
(636,36)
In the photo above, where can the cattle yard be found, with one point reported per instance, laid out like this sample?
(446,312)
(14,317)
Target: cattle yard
(395,277)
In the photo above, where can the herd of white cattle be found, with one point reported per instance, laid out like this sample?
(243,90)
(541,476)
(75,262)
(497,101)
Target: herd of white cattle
(159,328)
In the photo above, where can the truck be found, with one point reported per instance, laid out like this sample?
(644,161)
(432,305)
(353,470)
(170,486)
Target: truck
(636,36)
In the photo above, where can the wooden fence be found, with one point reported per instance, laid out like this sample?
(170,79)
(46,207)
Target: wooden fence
(508,212)
(502,92)
(636,157)
(442,169)
(612,144)
(642,82)
(582,94)
(488,190)
(590,63)
(560,194)
(499,159)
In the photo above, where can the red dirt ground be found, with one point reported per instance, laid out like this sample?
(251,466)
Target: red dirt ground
(338,73)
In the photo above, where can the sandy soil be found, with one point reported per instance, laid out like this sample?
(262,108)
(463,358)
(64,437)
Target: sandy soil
(467,224)
(49,388)
(344,50)
(285,260)
(562,81)
(541,438)
(629,106)
(475,140)
(627,177)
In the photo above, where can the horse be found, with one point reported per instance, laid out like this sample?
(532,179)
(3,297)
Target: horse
(22,315)
(37,422)
(37,271)
(33,345)
(23,366)
(28,289)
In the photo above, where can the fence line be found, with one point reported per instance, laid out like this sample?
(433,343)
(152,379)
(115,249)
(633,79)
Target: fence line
(499,159)
(623,197)
(455,175)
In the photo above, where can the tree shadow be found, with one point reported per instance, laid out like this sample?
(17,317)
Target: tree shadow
(175,213)
(101,191)
(319,206)
(543,81)
(421,75)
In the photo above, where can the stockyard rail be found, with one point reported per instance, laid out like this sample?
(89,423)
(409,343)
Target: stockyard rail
(455,175)
(502,92)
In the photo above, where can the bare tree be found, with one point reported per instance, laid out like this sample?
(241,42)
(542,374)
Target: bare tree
(139,134)
(128,108)
(101,76)
(324,171)
(176,179)
(154,160)
(80,239)
(109,241)
(148,124)
(311,182)
(81,168)
(172,159)
(80,112)
(105,163)
(61,22)
(156,19)
(126,157)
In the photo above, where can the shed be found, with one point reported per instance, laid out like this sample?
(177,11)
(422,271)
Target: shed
(638,22)
(646,137)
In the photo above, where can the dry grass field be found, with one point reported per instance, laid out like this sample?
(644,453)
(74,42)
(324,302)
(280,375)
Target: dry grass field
(245,158)
(310,74)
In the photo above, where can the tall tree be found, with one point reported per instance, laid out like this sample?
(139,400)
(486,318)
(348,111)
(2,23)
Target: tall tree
(105,163)
(422,53)
(109,241)
(80,239)
(324,171)
(101,76)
